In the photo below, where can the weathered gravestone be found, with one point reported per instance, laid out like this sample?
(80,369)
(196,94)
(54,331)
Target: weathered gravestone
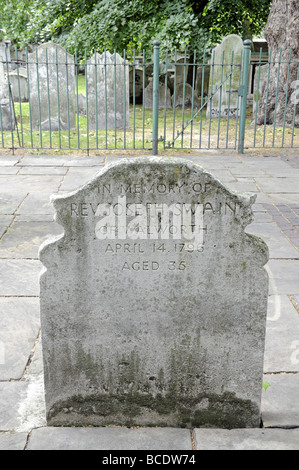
(164,101)
(259,84)
(225,62)
(108,91)
(52,88)
(153,302)
(7,119)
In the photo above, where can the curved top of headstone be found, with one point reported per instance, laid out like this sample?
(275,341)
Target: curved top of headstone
(51,49)
(106,58)
(230,43)
(155,178)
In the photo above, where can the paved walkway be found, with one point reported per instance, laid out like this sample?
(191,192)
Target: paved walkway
(26,220)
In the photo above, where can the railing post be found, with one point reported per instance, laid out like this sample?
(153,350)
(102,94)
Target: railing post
(156,97)
(243,94)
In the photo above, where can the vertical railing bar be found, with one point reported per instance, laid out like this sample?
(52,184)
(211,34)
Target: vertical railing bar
(229,95)
(48,93)
(87,110)
(38,100)
(106,110)
(165,98)
(125,99)
(11,109)
(238,101)
(28,91)
(67,100)
(295,105)
(212,79)
(134,100)
(58,98)
(246,63)
(202,92)
(156,58)
(257,96)
(174,94)
(220,100)
(19,93)
(115,132)
(184,96)
(143,97)
(276,98)
(77,98)
(192,99)
(267,94)
(96,96)
(286,99)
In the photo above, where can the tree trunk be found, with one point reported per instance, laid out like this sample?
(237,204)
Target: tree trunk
(282,34)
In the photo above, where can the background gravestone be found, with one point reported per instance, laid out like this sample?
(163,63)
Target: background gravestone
(7,119)
(259,83)
(52,88)
(148,96)
(108,86)
(153,302)
(225,101)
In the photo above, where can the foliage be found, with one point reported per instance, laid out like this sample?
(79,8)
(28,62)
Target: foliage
(245,18)
(134,24)
(14,15)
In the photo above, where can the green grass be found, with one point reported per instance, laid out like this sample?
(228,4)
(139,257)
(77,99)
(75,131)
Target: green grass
(200,133)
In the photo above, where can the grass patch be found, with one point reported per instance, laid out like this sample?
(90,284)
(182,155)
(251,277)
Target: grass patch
(178,129)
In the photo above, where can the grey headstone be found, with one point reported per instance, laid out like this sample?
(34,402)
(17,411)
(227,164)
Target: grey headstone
(52,80)
(185,94)
(108,91)
(19,86)
(259,83)
(148,96)
(7,120)
(154,301)
(226,60)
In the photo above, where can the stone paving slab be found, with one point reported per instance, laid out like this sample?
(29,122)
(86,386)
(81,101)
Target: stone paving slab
(20,322)
(280,402)
(281,335)
(284,276)
(247,439)
(59,160)
(13,441)
(19,277)
(5,221)
(23,239)
(10,202)
(42,170)
(112,438)
(279,245)
(11,396)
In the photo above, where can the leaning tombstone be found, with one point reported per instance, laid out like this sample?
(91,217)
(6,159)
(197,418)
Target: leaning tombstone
(225,69)
(108,91)
(51,76)
(153,301)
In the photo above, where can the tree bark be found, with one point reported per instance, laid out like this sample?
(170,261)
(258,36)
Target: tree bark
(282,34)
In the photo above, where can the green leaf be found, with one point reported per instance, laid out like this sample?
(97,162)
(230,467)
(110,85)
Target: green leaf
(265,385)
